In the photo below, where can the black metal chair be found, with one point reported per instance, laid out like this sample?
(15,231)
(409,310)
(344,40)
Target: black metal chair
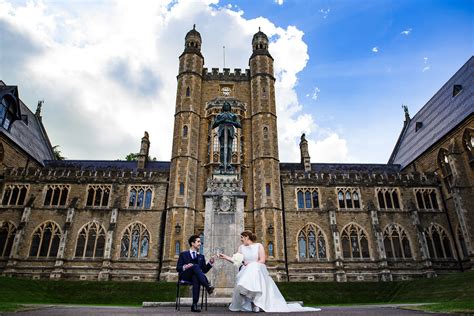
(187,283)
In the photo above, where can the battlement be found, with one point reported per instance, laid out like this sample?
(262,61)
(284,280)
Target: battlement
(75,175)
(359,178)
(226,74)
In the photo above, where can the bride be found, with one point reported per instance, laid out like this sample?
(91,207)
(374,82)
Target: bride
(255,289)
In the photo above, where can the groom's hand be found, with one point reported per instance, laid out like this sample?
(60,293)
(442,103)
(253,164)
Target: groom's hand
(211,261)
(187,266)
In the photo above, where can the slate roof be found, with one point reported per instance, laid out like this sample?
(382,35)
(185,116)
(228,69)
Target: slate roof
(29,134)
(161,166)
(342,167)
(441,114)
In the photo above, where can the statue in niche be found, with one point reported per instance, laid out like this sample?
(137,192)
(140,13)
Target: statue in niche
(227,122)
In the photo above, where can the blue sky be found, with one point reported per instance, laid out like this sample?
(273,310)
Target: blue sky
(107,69)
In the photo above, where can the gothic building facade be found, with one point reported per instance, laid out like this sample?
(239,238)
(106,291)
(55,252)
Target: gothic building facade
(128,220)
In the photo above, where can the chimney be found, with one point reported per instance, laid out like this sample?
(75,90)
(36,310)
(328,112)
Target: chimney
(144,151)
(305,158)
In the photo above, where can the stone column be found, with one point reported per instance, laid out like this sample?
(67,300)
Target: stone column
(104,273)
(58,270)
(422,244)
(338,263)
(223,223)
(20,231)
(385,274)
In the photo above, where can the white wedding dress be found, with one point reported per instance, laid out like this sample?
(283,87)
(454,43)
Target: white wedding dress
(254,284)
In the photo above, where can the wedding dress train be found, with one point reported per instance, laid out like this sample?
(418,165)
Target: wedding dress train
(254,284)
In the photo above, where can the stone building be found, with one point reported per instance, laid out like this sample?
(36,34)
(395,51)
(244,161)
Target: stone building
(128,220)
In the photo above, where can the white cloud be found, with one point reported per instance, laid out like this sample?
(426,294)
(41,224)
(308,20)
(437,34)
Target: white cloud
(315,94)
(325,13)
(425,60)
(107,71)
(406,32)
(375,49)
(279,2)
(426,68)
(329,149)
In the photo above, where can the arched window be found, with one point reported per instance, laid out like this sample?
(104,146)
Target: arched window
(177,248)
(426,199)
(201,248)
(98,195)
(348,197)
(265,132)
(468,141)
(388,198)
(90,241)
(140,196)
(270,249)
(311,243)
(354,242)
(443,162)
(268,189)
(397,245)
(340,197)
(300,199)
(188,91)
(462,243)
(438,242)
(56,195)
(135,241)
(7,235)
(185,131)
(45,241)
(181,188)
(307,198)
(15,194)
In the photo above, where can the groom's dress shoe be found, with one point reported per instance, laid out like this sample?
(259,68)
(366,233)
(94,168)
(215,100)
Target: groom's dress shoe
(210,290)
(195,309)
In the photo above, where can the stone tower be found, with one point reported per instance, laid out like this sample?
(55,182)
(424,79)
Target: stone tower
(181,198)
(267,210)
(195,156)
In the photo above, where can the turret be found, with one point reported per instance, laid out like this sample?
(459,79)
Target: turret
(305,158)
(144,151)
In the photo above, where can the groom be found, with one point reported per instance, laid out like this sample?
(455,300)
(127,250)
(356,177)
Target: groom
(192,267)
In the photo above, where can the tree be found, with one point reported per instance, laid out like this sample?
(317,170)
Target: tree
(57,153)
(134,157)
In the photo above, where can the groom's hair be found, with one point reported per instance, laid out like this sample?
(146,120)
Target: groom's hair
(192,239)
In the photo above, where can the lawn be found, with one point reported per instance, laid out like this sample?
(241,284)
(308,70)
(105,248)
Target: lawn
(454,292)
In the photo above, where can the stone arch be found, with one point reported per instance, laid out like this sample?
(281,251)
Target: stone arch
(45,240)
(90,241)
(355,242)
(311,242)
(397,242)
(135,241)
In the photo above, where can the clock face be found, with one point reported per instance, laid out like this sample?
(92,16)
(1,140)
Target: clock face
(226,91)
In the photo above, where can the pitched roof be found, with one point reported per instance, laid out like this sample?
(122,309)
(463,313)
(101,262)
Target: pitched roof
(441,114)
(29,134)
(123,165)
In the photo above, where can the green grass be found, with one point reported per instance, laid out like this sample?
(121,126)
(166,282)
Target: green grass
(451,307)
(454,292)
(10,307)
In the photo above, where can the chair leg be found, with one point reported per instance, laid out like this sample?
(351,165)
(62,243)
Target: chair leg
(202,296)
(177,297)
(206,300)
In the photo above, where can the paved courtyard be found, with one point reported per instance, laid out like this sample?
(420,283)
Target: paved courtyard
(385,310)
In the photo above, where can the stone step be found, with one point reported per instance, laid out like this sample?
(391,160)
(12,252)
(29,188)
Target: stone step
(211,301)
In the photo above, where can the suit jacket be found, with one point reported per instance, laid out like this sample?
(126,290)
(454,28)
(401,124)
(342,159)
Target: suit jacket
(185,258)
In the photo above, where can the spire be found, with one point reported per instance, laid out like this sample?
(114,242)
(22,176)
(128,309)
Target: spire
(305,158)
(407,115)
(144,151)
(38,109)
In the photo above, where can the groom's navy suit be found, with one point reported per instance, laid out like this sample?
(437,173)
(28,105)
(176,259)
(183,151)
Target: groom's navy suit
(195,274)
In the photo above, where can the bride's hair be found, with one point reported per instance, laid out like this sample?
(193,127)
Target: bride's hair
(249,234)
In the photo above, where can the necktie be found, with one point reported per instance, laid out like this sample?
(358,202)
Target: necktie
(193,255)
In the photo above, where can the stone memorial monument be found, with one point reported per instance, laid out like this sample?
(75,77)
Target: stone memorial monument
(224,210)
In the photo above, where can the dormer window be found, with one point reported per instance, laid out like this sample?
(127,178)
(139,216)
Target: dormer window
(8,111)
(457,88)
(418,126)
